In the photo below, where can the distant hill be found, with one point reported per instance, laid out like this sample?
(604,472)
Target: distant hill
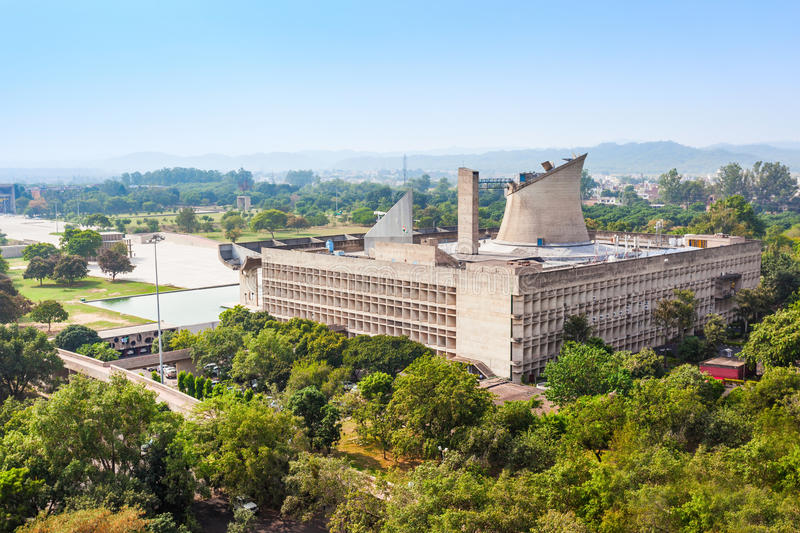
(630,158)
(649,158)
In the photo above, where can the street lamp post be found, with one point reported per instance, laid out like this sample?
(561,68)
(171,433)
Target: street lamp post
(155,239)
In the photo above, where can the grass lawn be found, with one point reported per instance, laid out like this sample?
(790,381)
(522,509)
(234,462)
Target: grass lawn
(365,458)
(90,288)
(317,231)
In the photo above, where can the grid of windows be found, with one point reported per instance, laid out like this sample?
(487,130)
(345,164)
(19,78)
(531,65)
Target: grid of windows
(364,304)
(618,301)
(620,310)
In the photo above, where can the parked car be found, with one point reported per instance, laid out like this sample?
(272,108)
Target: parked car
(170,372)
(245,503)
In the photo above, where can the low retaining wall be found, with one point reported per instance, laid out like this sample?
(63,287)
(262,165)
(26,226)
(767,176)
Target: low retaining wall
(88,366)
(12,250)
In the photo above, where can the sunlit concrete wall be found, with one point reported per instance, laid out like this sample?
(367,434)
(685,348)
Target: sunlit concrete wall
(546,210)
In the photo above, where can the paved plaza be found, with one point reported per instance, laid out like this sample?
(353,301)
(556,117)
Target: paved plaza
(185,261)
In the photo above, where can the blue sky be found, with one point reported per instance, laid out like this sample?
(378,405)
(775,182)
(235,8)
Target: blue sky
(96,79)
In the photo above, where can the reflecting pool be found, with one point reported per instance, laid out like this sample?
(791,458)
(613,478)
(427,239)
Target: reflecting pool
(178,308)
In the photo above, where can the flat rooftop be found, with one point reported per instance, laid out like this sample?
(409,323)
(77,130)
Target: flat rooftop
(725,362)
(133,330)
(555,256)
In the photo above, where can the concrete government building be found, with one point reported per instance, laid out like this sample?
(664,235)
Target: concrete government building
(495,298)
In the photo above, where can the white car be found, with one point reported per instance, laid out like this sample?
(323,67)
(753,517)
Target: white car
(242,503)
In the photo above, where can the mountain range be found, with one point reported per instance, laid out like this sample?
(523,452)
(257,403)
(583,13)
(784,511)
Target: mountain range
(649,158)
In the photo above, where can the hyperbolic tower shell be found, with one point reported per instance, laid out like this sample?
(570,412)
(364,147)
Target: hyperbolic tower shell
(546,209)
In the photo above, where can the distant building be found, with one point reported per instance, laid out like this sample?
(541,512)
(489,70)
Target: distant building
(724,367)
(497,301)
(110,238)
(135,340)
(8,201)
(243,203)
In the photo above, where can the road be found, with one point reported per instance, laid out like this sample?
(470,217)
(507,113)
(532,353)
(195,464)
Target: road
(176,400)
(186,261)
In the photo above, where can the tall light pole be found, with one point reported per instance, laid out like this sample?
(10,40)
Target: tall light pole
(155,239)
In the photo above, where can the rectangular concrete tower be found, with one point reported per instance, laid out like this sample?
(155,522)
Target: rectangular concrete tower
(467,211)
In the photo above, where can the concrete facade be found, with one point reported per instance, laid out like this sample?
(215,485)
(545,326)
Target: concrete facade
(500,307)
(243,203)
(467,211)
(395,226)
(8,200)
(546,208)
(508,315)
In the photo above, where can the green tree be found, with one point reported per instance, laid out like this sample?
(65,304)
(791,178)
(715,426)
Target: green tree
(715,331)
(434,399)
(676,314)
(233,234)
(217,346)
(13,305)
(587,184)
(48,311)
(645,363)
(242,317)
(369,412)
(83,243)
(269,220)
(26,359)
(317,219)
(776,340)
(245,447)
(267,357)
(200,387)
(363,216)
(300,178)
(297,222)
(99,220)
(732,180)
(186,220)
(673,411)
(74,336)
(308,372)
(99,350)
(40,267)
(3,264)
(190,384)
(316,485)
(577,328)
(592,422)
(382,353)
(752,304)
(114,262)
(732,215)
(39,249)
(584,370)
(232,221)
(780,275)
(772,182)
(126,520)
(321,419)
(669,187)
(18,497)
(242,521)
(96,441)
(70,268)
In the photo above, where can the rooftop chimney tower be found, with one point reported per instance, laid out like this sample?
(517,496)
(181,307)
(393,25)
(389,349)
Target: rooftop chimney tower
(467,211)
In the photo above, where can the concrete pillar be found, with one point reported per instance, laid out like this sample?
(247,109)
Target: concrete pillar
(467,211)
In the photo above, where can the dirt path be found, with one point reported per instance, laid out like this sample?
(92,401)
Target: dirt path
(214,515)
